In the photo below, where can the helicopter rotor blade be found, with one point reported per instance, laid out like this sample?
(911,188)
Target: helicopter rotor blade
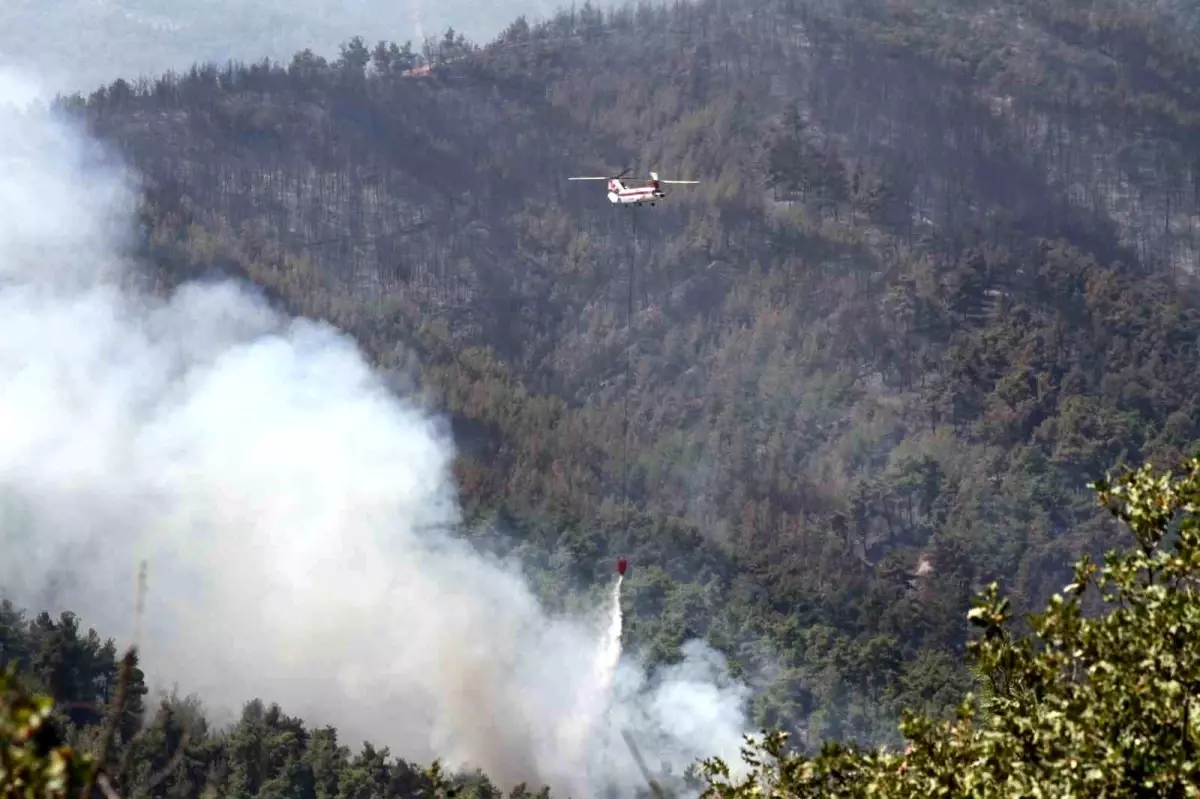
(590,177)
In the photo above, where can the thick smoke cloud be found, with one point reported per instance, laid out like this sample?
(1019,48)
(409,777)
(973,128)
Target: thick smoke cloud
(294,512)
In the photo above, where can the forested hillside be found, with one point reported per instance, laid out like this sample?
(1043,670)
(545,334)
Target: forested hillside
(1087,704)
(938,275)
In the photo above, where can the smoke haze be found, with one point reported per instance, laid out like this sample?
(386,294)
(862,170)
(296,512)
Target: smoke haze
(293,511)
(80,44)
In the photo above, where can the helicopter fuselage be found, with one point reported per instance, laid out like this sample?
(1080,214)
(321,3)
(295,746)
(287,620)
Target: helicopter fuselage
(620,194)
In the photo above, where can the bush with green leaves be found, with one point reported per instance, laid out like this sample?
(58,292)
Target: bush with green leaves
(1088,704)
(34,759)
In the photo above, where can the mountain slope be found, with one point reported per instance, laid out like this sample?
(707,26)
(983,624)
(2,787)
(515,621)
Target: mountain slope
(935,278)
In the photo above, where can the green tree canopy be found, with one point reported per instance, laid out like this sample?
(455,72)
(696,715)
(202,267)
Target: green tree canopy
(1087,704)
(35,761)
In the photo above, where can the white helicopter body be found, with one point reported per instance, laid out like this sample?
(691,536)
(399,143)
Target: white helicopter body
(621,194)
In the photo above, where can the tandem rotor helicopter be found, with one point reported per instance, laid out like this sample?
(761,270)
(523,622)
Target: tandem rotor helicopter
(621,194)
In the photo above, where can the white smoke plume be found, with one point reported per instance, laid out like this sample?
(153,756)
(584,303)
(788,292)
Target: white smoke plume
(293,512)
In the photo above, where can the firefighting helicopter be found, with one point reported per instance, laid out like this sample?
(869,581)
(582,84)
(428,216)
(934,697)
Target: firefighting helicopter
(620,194)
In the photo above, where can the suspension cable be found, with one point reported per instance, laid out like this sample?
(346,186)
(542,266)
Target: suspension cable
(628,374)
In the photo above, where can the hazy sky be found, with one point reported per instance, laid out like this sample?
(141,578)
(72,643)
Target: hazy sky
(78,44)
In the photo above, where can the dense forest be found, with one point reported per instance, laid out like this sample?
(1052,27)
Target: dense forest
(1087,703)
(169,749)
(936,277)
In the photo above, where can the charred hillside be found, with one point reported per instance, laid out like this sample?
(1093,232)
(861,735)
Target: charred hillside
(937,276)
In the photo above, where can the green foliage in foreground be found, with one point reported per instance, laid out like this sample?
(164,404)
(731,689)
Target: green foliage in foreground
(1098,706)
(34,760)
